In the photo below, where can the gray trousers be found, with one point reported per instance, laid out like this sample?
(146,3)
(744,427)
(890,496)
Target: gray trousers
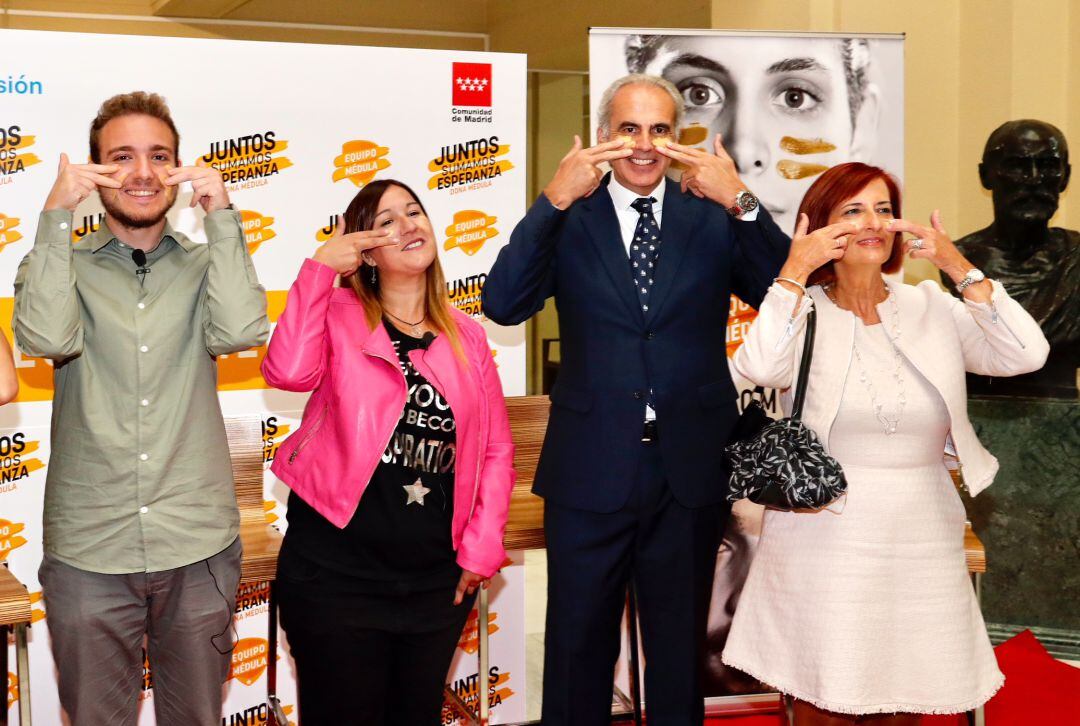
(97,623)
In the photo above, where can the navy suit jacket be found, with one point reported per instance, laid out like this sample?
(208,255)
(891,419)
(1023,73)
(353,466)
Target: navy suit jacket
(613,352)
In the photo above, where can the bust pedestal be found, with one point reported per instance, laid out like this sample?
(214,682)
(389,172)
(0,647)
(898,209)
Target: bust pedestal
(1029,519)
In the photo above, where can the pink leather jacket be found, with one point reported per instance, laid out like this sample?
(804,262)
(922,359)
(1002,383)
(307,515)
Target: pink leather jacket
(323,344)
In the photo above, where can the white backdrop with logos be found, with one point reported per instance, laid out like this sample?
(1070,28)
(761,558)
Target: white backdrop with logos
(296,134)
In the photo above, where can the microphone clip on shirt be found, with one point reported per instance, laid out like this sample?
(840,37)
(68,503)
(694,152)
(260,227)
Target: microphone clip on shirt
(139,258)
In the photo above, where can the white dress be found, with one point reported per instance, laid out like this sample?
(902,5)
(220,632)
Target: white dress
(871,610)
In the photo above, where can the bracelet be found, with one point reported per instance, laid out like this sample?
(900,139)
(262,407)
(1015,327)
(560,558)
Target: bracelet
(793,282)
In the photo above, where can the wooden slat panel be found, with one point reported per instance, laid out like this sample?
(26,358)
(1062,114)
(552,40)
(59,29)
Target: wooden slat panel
(528,423)
(14,601)
(974,551)
(260,541)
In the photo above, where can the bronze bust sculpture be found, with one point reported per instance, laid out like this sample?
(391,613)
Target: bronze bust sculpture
(1025,166)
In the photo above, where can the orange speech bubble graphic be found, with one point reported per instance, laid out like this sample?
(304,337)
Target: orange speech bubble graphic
(470,635)
(37,607)
(249,659)
(8,233)
(10,538)
(359,161)
(469,231)
(256,229)
(740,318)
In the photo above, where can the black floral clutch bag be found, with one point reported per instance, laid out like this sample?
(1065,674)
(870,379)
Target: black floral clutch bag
(782,464)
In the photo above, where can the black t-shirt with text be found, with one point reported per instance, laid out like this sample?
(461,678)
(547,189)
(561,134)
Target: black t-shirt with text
(401,529)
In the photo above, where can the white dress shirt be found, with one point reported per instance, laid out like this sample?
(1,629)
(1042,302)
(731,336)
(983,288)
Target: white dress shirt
(628,217)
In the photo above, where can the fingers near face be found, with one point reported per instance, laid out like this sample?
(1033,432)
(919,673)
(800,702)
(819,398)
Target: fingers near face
(867,216)
(409,246)
(142,148)
(643,112)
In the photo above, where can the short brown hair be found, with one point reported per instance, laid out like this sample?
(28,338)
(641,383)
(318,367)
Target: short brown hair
(832,189)
(126,104)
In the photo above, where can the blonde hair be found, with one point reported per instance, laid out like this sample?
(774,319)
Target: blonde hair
(359,216)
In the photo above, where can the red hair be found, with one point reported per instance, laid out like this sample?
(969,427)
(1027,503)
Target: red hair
(833,188)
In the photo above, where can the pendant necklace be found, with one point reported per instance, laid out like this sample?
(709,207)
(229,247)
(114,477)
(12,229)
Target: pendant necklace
(415,327)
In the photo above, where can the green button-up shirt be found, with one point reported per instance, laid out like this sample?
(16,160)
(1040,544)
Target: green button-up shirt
(139,479)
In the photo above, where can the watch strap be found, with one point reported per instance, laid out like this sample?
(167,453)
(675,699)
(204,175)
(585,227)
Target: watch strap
(973,276)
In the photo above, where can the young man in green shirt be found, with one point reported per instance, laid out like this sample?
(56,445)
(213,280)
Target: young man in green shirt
(140,521)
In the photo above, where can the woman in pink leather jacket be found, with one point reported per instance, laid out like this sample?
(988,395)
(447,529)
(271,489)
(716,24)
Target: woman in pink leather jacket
(400,472)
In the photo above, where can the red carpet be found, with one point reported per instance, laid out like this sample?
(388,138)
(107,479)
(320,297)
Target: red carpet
(1038,691)
(957,720)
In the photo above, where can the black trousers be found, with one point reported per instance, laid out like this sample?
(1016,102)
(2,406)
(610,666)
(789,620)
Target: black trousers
(669,552)
(366,659)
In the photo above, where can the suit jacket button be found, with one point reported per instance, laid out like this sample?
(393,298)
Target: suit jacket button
(638,395)
(650,335)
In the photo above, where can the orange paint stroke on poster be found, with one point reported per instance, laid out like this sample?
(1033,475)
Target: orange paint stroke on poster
(10,539)
(359,161)
(806,146)
(470,634)
(798,170)
(8,233)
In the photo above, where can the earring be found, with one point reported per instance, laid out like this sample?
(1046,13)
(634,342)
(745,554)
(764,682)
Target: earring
(374,281)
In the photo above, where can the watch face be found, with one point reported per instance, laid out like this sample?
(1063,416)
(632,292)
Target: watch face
(976,275)
(746,201)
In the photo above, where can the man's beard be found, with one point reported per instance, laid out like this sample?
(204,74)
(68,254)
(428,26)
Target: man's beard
(1034,206)
(115,211)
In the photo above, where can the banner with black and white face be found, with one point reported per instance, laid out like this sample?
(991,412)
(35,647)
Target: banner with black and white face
(788,106)
(296,131)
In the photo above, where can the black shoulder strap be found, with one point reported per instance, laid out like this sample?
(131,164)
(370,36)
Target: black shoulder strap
(804,366)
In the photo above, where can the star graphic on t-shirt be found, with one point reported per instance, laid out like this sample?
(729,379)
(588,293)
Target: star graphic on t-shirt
(416,492)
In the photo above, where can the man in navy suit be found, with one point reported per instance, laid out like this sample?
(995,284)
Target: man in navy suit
(642,270)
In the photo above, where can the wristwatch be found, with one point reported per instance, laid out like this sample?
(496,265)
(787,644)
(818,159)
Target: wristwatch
(744,202)
(974,275)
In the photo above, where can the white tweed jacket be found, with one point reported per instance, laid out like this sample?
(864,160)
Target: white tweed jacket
(940,336)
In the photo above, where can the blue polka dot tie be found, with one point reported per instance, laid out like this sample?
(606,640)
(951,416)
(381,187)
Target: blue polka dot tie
(644,249)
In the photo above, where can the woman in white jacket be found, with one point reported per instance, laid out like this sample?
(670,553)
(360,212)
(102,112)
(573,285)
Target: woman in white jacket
(863,612)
